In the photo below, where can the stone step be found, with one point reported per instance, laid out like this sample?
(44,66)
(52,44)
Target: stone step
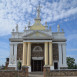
(36,74)
(41,73)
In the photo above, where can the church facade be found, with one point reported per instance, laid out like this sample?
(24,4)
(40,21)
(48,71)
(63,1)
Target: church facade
(38,47)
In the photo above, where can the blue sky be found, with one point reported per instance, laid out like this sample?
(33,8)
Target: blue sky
(62,12)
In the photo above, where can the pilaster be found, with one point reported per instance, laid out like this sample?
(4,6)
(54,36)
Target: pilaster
(11,53)
(29,54)
(15,54)
(64,55)
(24,63)
(60,54)
(46,53)
(50,54)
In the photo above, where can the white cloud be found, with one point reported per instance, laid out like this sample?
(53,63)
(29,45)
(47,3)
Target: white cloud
(4,53)
(72,50)
(4,45)
(72,37)
(59,10)
(21,11)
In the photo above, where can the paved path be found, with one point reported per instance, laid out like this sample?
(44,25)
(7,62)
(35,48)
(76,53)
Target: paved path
(36,74)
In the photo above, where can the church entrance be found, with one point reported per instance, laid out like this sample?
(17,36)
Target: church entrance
(37,65)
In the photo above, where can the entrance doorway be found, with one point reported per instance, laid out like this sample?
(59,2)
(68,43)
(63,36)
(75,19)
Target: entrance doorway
(37,65)
(55,65)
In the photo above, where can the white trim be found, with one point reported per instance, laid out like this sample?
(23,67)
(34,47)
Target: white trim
(15,42)
(59,42)
(37,58)
(37,41)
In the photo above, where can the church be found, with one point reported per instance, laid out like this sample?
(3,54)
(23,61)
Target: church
(38,47)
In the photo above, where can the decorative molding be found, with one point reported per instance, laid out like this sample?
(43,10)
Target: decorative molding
(37,49)
(37,41)
(11,43)
(37,58)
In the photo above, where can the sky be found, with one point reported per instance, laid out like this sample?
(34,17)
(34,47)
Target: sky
(54,12)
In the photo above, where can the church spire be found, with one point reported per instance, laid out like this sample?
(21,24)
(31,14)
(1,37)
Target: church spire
(38,11)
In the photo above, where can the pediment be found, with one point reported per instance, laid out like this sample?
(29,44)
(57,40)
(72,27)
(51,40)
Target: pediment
(37,35)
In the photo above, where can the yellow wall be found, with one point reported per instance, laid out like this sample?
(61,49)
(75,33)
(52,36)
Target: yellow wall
(37,25)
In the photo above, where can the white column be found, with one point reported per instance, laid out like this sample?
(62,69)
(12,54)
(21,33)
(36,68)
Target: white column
(60,55)
(15,54)
(11,53)
(64,55)
(12,59)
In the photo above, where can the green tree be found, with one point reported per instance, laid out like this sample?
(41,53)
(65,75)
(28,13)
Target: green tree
(70,63)
(75,66)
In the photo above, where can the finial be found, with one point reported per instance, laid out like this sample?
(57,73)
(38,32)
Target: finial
(38,11)
(29,23)
(62,30)
(16,27)
(50,28)
(25,27)
(46,23)
(13,30)
(58,28)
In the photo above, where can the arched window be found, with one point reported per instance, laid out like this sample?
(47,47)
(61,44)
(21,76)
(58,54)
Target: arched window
(37,48)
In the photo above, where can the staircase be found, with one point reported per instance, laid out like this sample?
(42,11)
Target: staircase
(36,74)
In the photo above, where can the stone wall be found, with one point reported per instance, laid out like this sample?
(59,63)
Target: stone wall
(11,73)
(61,73)
(19,51)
